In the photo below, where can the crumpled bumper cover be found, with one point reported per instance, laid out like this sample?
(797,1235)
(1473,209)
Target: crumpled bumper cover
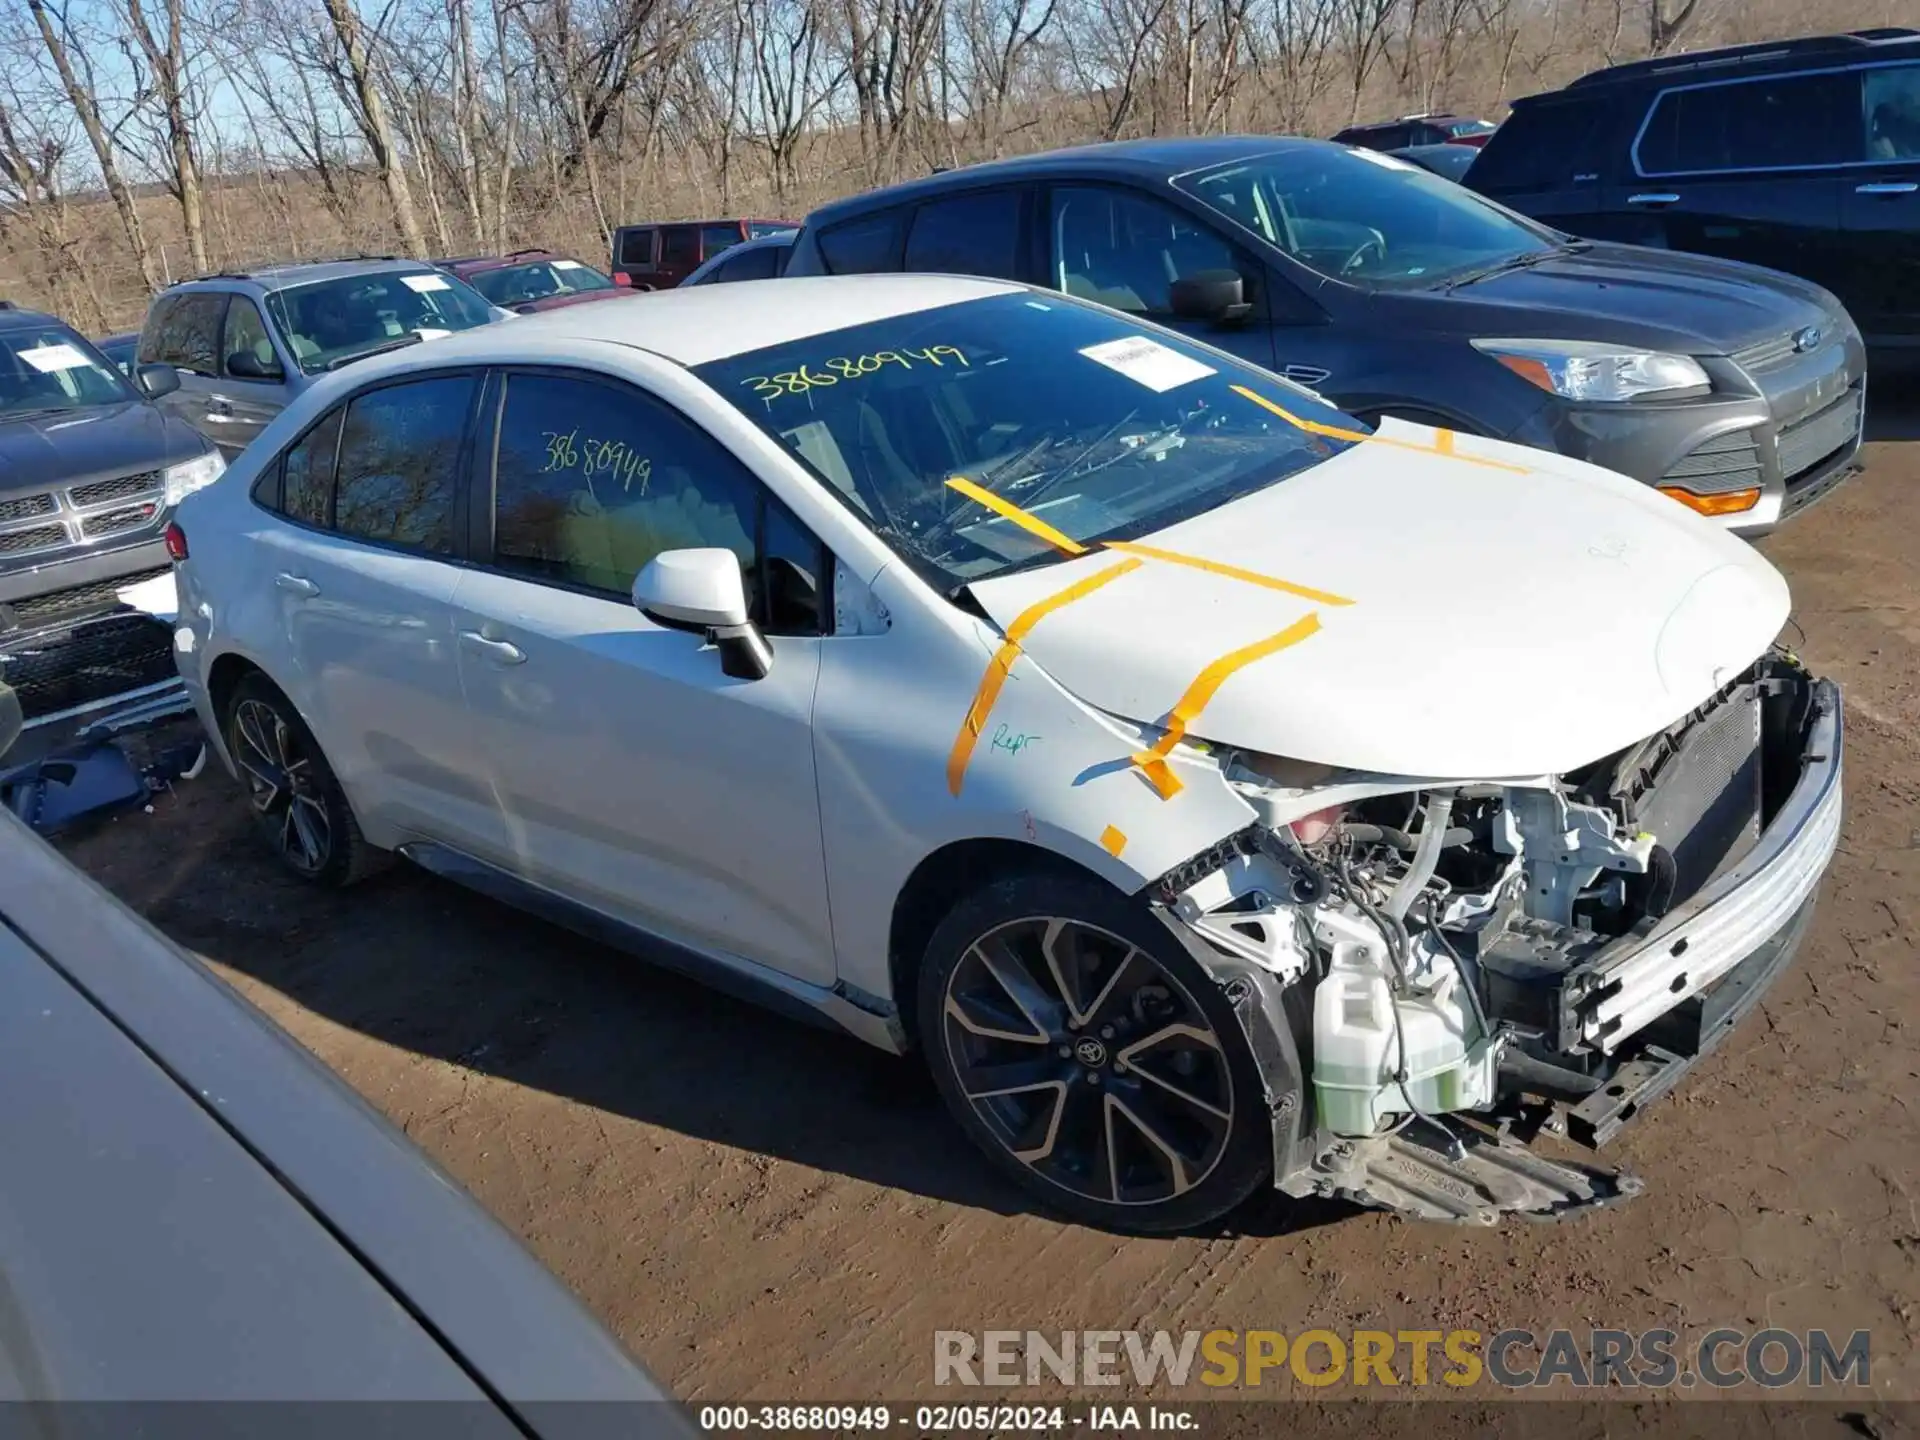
(1634,982)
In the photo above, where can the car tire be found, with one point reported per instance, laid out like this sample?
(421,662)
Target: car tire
(1132,1104)
(297,801)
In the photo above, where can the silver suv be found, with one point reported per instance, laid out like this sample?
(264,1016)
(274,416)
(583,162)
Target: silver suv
(246,343)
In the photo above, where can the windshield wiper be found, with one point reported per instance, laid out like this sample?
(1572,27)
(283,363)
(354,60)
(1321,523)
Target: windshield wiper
(398,343)
(1512,263)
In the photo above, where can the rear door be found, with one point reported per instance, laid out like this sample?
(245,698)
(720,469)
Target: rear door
(632,774)
(363,576)
(252,383)
(183,331)
(1880,209)
(634,253)
(1748,170)
(679,254)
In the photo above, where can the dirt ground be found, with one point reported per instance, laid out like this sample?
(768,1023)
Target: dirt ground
(762,1211)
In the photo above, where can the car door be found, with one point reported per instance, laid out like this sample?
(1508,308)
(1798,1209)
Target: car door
(1746,170)
(184,331)
(363,576)
(1880,209)
(632,775)
(252,383)
(1123,248)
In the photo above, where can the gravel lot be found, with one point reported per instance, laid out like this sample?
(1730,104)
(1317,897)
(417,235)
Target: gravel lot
(766,1212)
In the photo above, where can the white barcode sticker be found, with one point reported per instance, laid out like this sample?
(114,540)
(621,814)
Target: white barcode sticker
(48,358)
(425,283)
(1148,362)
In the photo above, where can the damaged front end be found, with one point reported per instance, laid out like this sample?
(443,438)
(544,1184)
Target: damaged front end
(1433,974)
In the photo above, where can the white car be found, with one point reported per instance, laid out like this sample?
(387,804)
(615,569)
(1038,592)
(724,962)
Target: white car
(1217,793)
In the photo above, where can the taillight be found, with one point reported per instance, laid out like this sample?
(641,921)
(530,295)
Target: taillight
(620,277)
(176,541)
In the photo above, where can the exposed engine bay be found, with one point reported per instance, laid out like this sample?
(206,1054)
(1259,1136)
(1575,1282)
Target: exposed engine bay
(1450,970)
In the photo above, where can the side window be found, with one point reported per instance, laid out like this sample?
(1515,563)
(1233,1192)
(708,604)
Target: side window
(246,352)
(399,463)
(975,234)
(306,473)
(679,246)
(865,246)
(186,334)
(756,264)
(594,479)
(147,347)
(718,239)
(1541,147)
(636,249)
(1892,103)
(1777,123)
(1125,250)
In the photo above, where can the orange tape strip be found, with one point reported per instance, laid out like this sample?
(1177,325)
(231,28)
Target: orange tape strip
(1002,665)
(1232,572)
(1113,841)
(1442,446)
(1202,690)
(1032,524)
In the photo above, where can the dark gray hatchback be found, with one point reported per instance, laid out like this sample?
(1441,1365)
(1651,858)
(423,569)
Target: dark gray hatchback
(1739,391)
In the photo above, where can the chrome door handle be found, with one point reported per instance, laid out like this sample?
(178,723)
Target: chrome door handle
(1887,187)
(297,585)
(1653,197)
(219,405)
(501,652)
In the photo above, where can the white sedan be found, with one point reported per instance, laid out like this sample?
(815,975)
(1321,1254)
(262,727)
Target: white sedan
(1216,792)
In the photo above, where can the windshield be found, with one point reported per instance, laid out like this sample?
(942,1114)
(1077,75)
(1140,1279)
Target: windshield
(51,368)
(1067,418)
(1361,216)
(333,320)
(517,284)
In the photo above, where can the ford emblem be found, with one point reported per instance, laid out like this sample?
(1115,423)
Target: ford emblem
(1807,339)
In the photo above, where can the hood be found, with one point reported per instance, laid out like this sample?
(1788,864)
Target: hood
(579,297)
(1500,621)
(1629,294)
(60,447)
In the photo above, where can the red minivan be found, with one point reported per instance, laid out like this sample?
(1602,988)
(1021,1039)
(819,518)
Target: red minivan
(660,256)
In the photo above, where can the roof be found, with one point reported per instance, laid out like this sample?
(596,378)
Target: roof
(1766,55)
(498,262)
(710,322)
(13,318)
(1158,159)
(717,220)
(278,277)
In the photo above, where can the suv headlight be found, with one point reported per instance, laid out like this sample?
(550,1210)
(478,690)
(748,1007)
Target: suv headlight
(190,475)
(1593,370)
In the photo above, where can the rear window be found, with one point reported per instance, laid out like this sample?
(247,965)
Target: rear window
(1541,147)
(865,246)
(680,246)
(760,263)
(718,239)
(1780,122)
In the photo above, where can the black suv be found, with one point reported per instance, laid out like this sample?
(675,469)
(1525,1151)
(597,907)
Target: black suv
(90,470)
(1802,155)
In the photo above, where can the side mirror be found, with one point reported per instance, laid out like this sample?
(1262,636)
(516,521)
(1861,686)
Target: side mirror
(156,380)
(245,365)
(1219,296)
(701,590)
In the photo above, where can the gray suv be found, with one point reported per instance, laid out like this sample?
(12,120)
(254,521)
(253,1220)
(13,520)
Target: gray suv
(1738,391)
(245,343)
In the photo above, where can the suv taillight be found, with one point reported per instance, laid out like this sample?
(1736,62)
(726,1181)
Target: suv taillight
(620,277)
(176,541)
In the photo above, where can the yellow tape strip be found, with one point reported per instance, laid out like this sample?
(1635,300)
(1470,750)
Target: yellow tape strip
(1201,691)
(1002,665)
(1442,446)
(1113,841)
(1232,572)
(1032,524)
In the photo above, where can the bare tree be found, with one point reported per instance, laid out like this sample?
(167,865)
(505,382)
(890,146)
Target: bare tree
(166,62)
(371,113)
(79,87)
(1664,27)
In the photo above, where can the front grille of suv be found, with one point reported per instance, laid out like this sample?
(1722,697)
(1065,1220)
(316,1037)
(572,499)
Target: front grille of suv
(1767,355)
(1714,467)
(95,660)
(25,507)
(116,522)
(26,542)
(100,492)
(76,601)
(1808,442)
